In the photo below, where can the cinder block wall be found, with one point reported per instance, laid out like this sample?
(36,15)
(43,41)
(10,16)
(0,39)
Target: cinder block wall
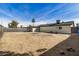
(65,29)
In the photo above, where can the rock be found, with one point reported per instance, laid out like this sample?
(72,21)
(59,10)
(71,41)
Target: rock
(71,49)
(62,52)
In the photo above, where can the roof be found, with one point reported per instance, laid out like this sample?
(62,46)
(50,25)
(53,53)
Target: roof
(60,24)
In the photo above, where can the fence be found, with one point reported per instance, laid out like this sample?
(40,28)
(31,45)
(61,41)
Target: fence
(14,29)
(75,30)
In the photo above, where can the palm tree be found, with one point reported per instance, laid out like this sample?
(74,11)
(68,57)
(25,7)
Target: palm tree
(33,21)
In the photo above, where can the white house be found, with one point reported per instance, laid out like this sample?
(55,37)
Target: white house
(58,27)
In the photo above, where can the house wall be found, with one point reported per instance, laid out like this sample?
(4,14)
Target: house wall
(65,29)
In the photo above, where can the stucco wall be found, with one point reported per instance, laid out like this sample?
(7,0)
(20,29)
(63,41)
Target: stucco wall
(15,29)
(65,29)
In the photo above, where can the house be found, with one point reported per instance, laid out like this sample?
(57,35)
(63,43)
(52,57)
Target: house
(58,27)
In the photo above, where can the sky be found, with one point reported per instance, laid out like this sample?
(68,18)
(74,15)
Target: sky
(43,13)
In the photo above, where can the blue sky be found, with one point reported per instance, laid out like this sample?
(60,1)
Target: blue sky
(42,12)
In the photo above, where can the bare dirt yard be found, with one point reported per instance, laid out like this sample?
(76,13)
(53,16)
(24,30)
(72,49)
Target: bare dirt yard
(30,43)
(68,47)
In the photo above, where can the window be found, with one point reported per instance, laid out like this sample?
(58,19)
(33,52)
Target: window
(60,27)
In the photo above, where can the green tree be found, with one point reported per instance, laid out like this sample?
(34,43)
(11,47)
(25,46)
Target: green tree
(13,24)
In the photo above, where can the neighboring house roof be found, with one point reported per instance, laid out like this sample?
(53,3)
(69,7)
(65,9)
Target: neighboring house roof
(60,24)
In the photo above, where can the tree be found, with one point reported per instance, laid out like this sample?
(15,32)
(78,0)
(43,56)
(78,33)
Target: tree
(13,24)
(33,21)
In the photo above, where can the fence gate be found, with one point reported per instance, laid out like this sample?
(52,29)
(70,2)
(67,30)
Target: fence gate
(75,30)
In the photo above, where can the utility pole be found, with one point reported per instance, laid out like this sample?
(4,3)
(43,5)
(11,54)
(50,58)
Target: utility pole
(33,21)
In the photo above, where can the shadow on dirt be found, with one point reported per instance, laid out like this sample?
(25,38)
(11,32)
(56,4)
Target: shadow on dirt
(69,47)
(8,53)
(41,50)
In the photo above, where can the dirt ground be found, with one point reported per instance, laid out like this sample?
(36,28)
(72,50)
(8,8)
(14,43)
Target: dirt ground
(28,42)
(68,47)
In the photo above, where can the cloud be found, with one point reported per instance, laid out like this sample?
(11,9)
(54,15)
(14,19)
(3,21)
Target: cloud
(4,21)
(52,10)
(23,17)
(27,23)
(6,13)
